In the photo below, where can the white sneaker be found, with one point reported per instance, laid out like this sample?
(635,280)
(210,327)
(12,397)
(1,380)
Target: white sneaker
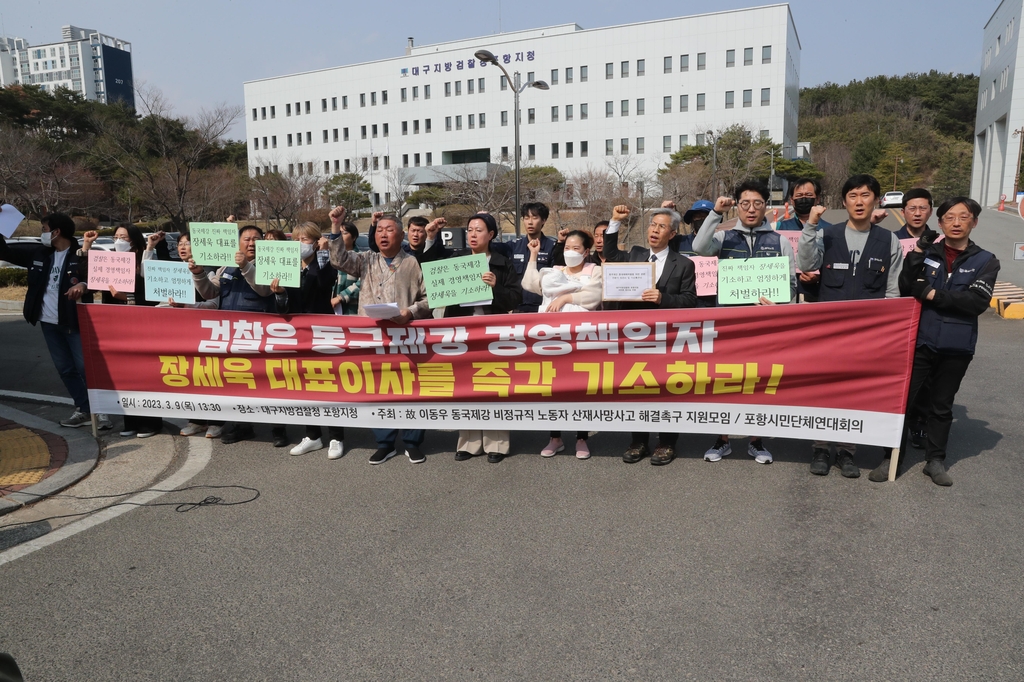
(127,433)
(307,445)
(214,431)
(717,452)
(77,419)
(760,455)
(145,434)
(191,429)
(103,422)
(336,450)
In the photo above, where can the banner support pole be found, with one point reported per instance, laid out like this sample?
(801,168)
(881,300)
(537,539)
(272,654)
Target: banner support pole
(894,462)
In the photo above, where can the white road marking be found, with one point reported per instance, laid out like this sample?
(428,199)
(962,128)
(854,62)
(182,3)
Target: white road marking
(199,451)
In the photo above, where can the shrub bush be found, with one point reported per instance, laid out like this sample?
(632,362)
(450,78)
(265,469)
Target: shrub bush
(13,277)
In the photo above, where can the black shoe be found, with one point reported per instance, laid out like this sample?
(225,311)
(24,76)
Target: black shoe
(280,438)
(635,453)
(383,454)
(462,456)
(820,462)
(880,473)
(663,454)
(917,438)
(495,457)
(243,432)
(414,454)
(844,460)
(936,468)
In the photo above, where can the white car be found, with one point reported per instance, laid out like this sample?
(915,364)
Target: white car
(892,199)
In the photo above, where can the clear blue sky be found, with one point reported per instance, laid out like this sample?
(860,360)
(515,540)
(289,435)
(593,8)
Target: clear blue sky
(199,53)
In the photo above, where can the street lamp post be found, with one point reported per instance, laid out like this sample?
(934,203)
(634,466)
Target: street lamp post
(489,58)
(895,171)
(714,161)
(1020,151)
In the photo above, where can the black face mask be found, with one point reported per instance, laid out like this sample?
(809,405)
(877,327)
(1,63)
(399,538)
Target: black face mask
(803,205)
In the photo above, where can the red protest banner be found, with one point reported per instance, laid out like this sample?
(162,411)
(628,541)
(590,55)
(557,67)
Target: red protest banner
(829,371)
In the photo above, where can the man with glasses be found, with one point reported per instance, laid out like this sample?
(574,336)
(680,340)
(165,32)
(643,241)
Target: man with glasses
(953,279)
(858,261)
(675,287)
(752,237)
(917,209)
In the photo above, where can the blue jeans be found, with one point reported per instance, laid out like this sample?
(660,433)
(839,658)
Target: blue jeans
(65,346)
(386,437)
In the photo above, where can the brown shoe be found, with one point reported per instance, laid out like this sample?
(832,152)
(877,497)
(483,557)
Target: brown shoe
(635,453)
(662,455)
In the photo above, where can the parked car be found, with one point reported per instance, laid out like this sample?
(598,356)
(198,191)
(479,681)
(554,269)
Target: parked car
(892,199)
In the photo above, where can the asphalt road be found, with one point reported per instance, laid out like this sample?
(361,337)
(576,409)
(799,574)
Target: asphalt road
(546,569)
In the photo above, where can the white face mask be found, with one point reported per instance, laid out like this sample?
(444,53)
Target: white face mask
(306,251)
(573,258)
(45,237)
(122,245)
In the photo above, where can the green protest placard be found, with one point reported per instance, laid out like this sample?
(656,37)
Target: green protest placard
(278,260)
(456,280)
(214,243)
(745,280)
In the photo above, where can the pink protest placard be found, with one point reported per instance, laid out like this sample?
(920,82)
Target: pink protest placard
(793,236)
(111,269)
(908,245)
(707,274)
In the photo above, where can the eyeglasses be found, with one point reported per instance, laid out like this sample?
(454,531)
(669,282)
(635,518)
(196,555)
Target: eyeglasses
(949,218)
(751,204)
(917,209)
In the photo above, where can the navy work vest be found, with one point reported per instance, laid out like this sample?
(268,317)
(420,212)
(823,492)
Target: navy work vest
(947,332)
(236,294)
(736,244)
(840,281)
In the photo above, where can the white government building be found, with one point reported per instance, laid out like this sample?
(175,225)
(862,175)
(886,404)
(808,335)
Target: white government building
(1000,108)
(96,66)
(642,90)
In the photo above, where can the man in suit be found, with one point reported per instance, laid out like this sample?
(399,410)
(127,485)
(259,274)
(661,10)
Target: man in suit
(676,287)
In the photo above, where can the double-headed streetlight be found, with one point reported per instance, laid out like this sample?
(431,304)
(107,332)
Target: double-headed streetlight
(489,58)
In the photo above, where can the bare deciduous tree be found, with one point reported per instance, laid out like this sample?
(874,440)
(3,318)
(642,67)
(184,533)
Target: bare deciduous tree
(281,198)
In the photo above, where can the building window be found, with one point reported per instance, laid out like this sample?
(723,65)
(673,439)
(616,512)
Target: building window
(405,127)
(337,166)
(531,151)
(666,105)
(383,96)
(335,134)
(531,116)
(426,92)
(609,70)
(554,150)
(748,56)
(766,96)
(334,104)
(362,99)
(254,113)
(684,62)
(609,109)
(624,69)
(362,132)
(583,74)
(387,163)
(480,85)
(416,127)
(568,150)
(700,101)
(766,54)
(426,125)
(385,130)
(447,89)
(730,99)
(641,108)
(666,144)
(471,121)
(469,86)
(366,165)
(447,123)
(373,99)
(748,98)
(273,141)
(344,134)
(584,111)
(483,120)
(288,109)
(529,77)
(765,135)
(289,139)
(458,122)
(264,141)
(699,138)
(309,138)
(325,135)
(327,167)
(256,143)
(609,149)
(504,118)
(554,114)
(373,130)
(554,77)
(504,153)
(263,113)
(568,74)
(624,146)
(624,108)
(415,92)
(639,145)
(730,58)
(504,83)
(430,159)
(584,148)
(291,169)
(344,101)
(307,111)
(568,112)
(702,61)
(458,88)
(403,94)
(323,107)
(667,68)
(416,159)
(641,67)
(348,165)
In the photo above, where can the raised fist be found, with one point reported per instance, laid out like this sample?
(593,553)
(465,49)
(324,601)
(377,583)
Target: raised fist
(723,204)
(620,212)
